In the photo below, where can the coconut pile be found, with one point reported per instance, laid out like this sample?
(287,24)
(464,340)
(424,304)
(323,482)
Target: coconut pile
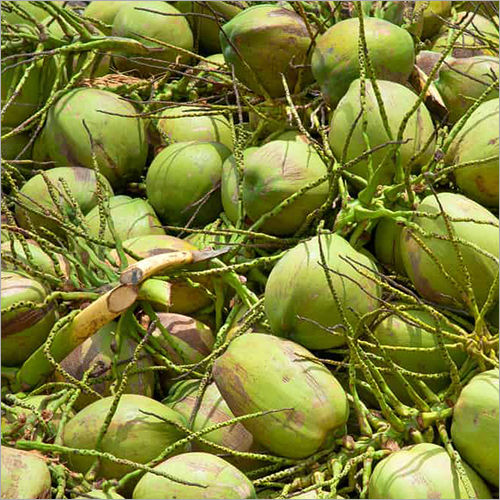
(250,249)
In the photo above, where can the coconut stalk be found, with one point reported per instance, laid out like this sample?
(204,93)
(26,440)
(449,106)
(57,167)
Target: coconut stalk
(72,330)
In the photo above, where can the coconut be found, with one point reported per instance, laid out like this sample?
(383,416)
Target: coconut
(474,428)
(82,182)
(398,100)
(405,14)
(104,11)
(422,471)
(132,434)
(433,16)
(396,334)
(184,298)
(477,141)
(99,493)
(166,24)
(119,138)
(274,172)
(207,29)
(387,244)
(212,478)
(183,182)
(132,217)
(24,329)
(24,474)
(260,372)
(461,81)
(213,410)
(109,356)
(200,128)
(335,63)
(279,33)
(298,301)
(480,228)
(471,41)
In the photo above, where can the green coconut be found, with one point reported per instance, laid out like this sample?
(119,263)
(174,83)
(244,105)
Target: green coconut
(110,356)
(100,493)
(229,185)
(463,80)
(206,29)
(184,298)
(280,34)
(398,100)
(275,172)
(200,128)
(33,93)
(298,302)
(82,182)
(335,63)
(475,142)
(24,329)
(213,410)
(433,16)
(132,217)
(183,182)
(13,146)
(260,372)
(104,11)
(396,334)
(19,422)
(14,251)
(24,474)
(422,471)
(211,478)
(214,69)
(471,42)
(474,428)
(387,244)
(132,434)
(165,25)
(479,229)
(119,139)
(406,15)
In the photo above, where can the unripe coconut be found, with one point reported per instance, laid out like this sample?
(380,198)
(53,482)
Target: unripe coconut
(13,146)
(24,474)
(104,11)
(183,182)
(474,428)
(200,128)
(37,257)
(216,479)
(184,298)
(24,329)
(206,29)
(82,182)
(132,434)
(33,93)
(273,173)
(166,25)
(110,357)
(476,141)
(422,471)
(215,70)
(260,372)
(119,138)
(398,100)
(101,494)
(280,34)
(213,410)
(396,334)
(335,63)
(298,301)
(405,14)
(480,228)
(461,81)
(230,185)
(432,16)
(387,244)
(471,42)
(184,339)
(132,217)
